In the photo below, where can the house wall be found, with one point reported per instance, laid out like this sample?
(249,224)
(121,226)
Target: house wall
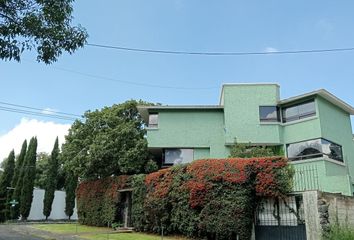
(241,109)
(202,130)
(336,127)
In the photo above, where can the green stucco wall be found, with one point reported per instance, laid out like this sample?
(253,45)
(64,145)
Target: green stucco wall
(241,108)
(190,129)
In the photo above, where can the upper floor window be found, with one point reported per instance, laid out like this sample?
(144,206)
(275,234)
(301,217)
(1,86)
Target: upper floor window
(299,111)
(178,155)
(269,114)
(153,120)
(314,149)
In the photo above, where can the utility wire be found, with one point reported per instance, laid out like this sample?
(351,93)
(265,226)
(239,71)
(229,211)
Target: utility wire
(14,110)
(158,51)
(39,109)
(130,82)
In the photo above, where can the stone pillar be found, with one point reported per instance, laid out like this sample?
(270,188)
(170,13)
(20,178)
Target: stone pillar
(312,218)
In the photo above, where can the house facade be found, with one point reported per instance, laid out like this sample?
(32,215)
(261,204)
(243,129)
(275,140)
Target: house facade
(312,130)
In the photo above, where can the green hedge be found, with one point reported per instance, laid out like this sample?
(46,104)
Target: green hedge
(212,199)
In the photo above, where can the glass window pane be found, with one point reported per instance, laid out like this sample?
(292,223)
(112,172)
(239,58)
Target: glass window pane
(307,109)
(305,150)
(291,113)
(332,150)
(177,156)
(269,113)
(153,120)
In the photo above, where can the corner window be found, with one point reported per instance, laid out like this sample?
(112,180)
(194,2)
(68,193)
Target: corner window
(314,149)
(177,156)
(269,114)
(299,111)
(153,120)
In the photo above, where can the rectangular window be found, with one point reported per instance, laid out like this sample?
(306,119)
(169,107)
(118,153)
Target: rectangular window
(178,155)
(153,120)
(269,114)
(299,111)
(314,149)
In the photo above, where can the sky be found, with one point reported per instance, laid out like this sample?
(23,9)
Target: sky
(94,77)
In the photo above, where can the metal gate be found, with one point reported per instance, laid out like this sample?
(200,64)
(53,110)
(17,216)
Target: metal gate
(280,219)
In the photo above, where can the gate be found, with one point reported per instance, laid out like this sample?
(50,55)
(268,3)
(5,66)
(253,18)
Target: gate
(280,219)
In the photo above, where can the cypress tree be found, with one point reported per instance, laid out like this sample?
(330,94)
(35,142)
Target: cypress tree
(18,180)
(29,167)
(5,183)
(70,188)
(51,180)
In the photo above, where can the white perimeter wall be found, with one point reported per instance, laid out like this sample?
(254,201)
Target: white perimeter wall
(58,206)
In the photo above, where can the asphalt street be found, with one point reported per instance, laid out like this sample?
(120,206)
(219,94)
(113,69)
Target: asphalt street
(10,232)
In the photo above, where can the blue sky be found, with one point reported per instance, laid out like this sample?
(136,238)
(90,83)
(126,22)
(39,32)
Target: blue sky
(189,25)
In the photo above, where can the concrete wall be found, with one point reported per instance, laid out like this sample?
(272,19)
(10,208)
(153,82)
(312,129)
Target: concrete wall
(58,206)
(323,209)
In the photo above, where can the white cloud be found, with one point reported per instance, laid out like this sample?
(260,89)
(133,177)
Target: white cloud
(49,111)
(270,49)
(45,131)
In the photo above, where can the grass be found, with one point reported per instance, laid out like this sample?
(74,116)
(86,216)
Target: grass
(97,233)
(339,233)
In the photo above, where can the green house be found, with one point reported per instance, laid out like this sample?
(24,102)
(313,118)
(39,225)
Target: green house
(313,130)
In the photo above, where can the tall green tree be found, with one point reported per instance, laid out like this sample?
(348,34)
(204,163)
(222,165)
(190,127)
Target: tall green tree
(51,180)
(28,179)
(17,181)
(41,25)
(70,188)
(5,185)
(109,142)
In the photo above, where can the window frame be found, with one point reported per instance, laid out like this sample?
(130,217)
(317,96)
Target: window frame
(322,154)
(270,120)
(299,116)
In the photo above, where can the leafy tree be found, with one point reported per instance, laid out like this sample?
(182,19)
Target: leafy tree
(42,167)
(28,179)
(51,180)
(44,25)
(70,188)
(110,142)
(246,150)
(5,183)
(17,181)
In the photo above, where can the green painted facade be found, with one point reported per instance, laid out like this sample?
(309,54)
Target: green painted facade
(211,130)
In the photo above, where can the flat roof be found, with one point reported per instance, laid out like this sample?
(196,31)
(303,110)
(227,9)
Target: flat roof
(324,94)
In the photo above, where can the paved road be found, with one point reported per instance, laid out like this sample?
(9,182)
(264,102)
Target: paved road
(10,232)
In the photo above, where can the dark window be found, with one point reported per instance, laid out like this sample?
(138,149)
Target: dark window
(269,114)
(314,149)
(153,120)
(299,111)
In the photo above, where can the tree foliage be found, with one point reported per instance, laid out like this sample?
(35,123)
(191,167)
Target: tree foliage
(109,142)
(247,150)
(29,168)
(5,183)
(44,25)
(42,167)
(18,180)
(70,188)
(51,180)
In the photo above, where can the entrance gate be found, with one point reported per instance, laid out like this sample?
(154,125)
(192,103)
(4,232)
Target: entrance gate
(280,219)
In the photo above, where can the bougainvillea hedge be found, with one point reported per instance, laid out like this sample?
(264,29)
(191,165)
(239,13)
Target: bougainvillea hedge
(212,198)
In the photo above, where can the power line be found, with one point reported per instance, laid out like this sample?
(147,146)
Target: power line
(130,82)
(27,112)
(39,109)
(158,51)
